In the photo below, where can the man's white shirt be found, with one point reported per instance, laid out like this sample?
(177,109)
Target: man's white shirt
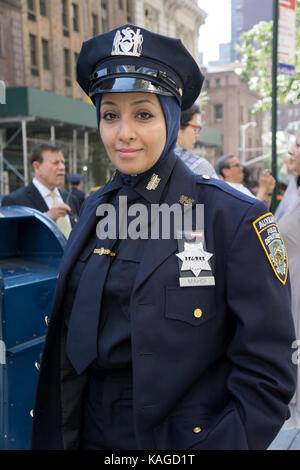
(46,195)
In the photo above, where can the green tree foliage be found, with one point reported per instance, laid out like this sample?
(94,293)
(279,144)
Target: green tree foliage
(256,58)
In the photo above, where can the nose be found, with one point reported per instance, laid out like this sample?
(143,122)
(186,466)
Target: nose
(126,130)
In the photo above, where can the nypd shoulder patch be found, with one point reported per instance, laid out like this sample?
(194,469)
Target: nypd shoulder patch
(269,236)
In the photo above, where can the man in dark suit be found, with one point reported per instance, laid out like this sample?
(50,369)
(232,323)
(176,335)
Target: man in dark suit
(43,193)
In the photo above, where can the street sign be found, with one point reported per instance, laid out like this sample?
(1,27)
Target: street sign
(287,37)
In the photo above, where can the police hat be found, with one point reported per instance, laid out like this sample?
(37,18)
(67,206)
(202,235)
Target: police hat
(133,59)
(74,178)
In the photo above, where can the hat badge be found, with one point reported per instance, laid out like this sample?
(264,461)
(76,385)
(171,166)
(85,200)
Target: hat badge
(127,42)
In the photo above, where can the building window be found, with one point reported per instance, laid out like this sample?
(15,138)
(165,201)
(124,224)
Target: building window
(31,10)
(64,13)
(218,112)
(33,54)
(33,50)
(218,82)
(121,4)
(67,67)
(103,4)
(76,55)
(95,28)
(75,17)
(43,10)
(207,84)
(45,53)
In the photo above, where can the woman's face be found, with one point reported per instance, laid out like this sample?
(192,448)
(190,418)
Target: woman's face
(188,136)
(294,154)
(133,130)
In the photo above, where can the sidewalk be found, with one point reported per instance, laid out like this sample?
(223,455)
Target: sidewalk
(286,440)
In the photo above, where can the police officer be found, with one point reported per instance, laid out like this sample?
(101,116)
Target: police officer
(163,338)
(74,180)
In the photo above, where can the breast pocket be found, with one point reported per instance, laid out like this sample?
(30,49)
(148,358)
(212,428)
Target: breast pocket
(192,305)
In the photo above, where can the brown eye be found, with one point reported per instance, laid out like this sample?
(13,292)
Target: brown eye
(144,115)
(109,116)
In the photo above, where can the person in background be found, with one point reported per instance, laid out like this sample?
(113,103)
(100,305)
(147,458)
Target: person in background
(44,192)
(231,171)
(289,224)
(74,180)
(187,135)
(291,194)
(159,341)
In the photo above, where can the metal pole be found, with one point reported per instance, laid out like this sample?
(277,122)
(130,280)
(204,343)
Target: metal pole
(1,161)
(274,97)
(24,142)
(86,146)
(52,134)
(74,151)
(243,145)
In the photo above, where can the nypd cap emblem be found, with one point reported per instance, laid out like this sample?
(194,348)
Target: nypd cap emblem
(127,42)
(270,238)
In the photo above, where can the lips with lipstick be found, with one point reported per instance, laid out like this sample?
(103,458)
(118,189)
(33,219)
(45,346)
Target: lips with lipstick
(127,152)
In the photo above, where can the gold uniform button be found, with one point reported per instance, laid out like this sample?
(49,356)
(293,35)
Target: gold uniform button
(37,366)
(198,313)
(197,429)
(47,320)
(32,413)
(206,177)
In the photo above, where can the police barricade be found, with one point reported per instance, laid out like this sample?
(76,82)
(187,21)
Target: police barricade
(31,247)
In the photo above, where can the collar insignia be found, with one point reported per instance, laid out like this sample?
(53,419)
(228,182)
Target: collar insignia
(127,42)
(153,183)
(185,200)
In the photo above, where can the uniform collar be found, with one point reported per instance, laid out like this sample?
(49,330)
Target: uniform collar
(151,186)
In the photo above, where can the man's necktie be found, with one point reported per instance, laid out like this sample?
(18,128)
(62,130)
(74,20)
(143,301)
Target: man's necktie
(82,334)
(61,221)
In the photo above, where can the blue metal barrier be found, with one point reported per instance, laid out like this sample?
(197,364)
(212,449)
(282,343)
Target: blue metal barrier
(31,247)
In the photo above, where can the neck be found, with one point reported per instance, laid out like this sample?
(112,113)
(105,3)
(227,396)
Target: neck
(48,186)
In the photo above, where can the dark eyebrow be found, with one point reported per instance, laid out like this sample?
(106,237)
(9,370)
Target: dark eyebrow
(112,103)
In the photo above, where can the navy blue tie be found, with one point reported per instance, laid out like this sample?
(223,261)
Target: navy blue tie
(82,334)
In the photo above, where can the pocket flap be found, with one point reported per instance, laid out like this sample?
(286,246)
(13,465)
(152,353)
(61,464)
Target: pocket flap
(193,305)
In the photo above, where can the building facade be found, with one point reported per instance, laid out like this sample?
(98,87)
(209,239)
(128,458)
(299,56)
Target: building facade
(229,110)
(40,41)
(244,15)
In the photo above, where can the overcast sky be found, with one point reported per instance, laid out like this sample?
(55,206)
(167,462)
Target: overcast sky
(216,29)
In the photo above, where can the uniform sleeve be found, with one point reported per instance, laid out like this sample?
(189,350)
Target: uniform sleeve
(262,377)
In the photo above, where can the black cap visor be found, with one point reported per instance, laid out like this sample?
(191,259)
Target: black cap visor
(130,84)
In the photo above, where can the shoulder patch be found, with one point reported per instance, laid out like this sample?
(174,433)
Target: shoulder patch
(269,236)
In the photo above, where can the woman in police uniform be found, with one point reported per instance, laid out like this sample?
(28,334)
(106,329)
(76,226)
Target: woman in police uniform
(162,342)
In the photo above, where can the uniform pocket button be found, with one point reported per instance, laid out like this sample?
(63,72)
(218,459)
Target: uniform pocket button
(197,429)
(198,313)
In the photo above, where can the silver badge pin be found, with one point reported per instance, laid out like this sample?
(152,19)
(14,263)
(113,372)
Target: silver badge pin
(194,258)
(127,42)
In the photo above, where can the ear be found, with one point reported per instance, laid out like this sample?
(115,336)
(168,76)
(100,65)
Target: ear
(35,166)
(179,137)
(225,172)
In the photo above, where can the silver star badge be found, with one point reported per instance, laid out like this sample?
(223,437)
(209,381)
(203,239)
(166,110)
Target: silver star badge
(194,258)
